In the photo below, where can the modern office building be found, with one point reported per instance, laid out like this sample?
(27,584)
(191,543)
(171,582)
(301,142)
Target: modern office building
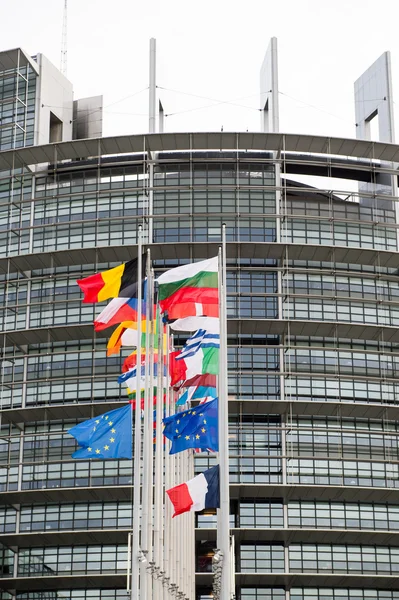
(313,307)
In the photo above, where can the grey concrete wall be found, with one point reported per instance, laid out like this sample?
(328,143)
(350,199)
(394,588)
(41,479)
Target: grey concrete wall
(54,95)
(88,118)
(373,95)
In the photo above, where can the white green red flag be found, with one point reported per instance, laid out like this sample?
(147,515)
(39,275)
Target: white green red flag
(190,290)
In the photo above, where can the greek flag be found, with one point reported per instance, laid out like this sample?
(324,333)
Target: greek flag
(199,341)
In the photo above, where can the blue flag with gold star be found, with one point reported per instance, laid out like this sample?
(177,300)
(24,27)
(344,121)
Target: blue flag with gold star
(105,436)
(194,428)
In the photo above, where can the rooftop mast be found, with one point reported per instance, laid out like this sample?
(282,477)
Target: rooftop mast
(64,45)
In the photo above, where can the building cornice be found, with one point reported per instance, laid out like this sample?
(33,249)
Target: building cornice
(170,142)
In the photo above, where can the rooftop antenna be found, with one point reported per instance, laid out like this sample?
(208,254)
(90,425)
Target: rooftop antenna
(64,45)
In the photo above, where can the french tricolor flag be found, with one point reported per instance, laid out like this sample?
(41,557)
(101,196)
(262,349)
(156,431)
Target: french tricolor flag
(198,493)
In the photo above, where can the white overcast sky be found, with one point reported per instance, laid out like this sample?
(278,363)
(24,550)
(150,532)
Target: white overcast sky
(213,49)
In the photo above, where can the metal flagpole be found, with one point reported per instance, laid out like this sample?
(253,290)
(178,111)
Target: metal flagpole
(179,523)
(135,567)
(158,496)
(187,529)
(223,533)
(191,589)
(183,526)
(151,448)
(167,465)
(171,458)
(146,515)
(158,533)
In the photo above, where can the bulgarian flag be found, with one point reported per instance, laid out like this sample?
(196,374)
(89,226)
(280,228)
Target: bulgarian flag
(190,290)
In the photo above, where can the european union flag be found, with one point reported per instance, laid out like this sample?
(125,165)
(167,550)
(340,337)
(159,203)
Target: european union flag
(194,428)
(106,436)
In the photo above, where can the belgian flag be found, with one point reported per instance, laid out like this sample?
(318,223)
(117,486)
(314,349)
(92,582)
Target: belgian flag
(121,281)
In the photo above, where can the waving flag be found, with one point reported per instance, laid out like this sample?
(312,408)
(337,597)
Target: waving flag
(119,281)
(121,309)
(202,362)
(125,335)
(181,310)
(177,369)
(131,374)
(200,394)
(105,436)
(197,381)
(190,287)
(131,361)
(195,428)
(210,324)
(197,493)
(201,340)
(117,311)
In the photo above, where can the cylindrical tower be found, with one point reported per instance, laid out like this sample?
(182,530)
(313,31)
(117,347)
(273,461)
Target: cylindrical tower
(313,309)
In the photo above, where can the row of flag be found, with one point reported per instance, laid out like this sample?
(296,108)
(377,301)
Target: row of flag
(188,299)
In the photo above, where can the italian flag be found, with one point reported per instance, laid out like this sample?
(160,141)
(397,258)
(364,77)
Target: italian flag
(192,289)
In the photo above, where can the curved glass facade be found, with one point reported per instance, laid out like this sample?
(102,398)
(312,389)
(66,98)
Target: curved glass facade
(313,309)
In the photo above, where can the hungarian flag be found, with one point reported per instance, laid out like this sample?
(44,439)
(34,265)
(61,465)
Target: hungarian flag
(197,493)
(119,281)
(190,289)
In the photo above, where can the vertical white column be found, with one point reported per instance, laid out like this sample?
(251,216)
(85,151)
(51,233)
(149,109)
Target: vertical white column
(153,87)
(135,579)
(223,533)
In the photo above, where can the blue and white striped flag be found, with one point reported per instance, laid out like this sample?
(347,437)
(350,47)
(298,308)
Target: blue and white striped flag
(200,340)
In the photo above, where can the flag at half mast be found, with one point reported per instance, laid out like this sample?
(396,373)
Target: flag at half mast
(121,281)
(195,428)
(198,493)
(106,436)
(192,288)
